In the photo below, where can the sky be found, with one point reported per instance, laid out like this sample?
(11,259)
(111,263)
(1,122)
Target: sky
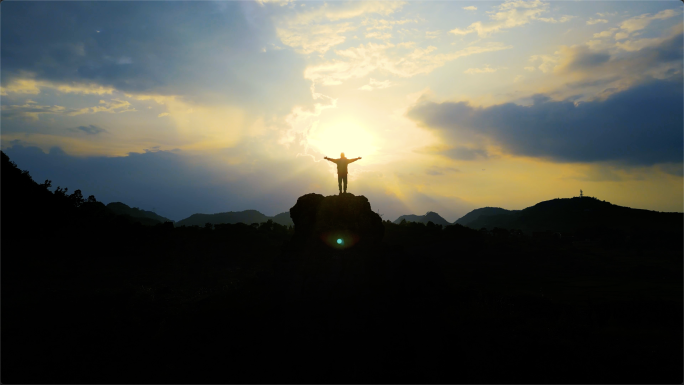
(212,106)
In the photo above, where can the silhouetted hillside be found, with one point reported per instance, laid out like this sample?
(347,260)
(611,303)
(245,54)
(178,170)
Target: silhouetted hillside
(146,217)
(93,297)
(428,217)
(283,219)
(574,214)
(475,214)
(27,204)
(247,217)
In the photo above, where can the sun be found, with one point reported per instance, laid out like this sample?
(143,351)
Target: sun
(350,138)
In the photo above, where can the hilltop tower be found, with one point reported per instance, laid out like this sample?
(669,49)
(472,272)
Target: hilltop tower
(581,193)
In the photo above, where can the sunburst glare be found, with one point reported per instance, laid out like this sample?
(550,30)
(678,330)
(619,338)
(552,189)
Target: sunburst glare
(349,138)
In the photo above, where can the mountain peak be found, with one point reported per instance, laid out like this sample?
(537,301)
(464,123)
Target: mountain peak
(430,216)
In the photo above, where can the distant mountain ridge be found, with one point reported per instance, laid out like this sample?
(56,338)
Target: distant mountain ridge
(571,214)
(430,216)
(231,217)
(484,211)
(146,217)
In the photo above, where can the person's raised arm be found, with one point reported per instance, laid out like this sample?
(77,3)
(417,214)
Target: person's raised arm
(354,160)
(326,158)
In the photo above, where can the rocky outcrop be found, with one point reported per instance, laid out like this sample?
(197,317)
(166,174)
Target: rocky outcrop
(338,221)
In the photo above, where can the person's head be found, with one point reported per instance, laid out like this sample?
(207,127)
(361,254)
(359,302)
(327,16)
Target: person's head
(342,155)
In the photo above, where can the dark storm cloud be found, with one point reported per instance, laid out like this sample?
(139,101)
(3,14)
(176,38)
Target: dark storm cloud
(671,49)
(634,61)
(641,126)
(585,59)
(183,48)
(91,129)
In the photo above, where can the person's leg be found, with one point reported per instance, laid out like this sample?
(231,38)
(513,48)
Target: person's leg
(345,182)
(339,182)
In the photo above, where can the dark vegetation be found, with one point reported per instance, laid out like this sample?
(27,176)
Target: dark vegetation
(92,297)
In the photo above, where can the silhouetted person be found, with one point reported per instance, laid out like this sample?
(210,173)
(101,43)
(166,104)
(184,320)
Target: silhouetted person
(342,169)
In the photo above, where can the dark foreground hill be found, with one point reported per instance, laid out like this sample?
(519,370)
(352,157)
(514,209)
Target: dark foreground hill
(430,216)
(570,215)
(247,217)
(90,298)
(481,212)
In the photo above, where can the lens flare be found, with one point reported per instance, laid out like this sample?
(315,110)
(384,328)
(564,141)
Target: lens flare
(339,239)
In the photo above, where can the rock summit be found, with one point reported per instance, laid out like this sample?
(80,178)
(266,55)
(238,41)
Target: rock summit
(337,221)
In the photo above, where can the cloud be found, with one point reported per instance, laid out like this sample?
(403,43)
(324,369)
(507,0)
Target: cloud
(318,38)
(203,126)
(432,34)
(593,21)
(364,59)
(379,35)
(30,110)
(113,106)
(281,3)
(639,126)
(315,30)
(638,23)
(596,45)
(470,8)
(91,129)
(376,85)
(598,69)
(580,58)
(607,33)
(466,153)
(20,86)
(676,169)
(215,54)
(124,60)
(563,19)
(546,63)
(643,58)
(382,24)
(436,170)
(639,44)
(28,85)
(483,70)
(301,121)
(631,25)
(511,14)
